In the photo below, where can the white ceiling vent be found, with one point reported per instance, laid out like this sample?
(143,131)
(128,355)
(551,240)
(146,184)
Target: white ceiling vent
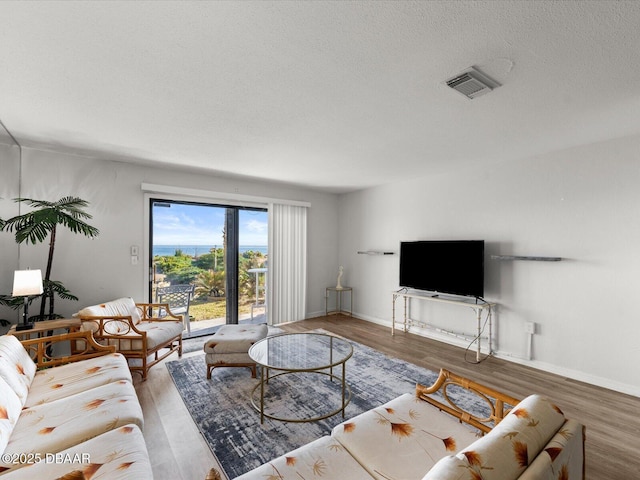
(472,83)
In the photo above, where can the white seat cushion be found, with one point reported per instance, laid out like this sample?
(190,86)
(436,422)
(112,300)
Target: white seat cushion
(403,438)
(16,367)
(55,383)
(158,333)
(61,424)
(235,338)
(119,454)
(10,407)
(322,458)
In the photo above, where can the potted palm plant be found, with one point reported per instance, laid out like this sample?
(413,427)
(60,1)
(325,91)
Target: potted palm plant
(41,224)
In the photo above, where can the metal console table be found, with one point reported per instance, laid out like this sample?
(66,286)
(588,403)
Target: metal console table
(477,307)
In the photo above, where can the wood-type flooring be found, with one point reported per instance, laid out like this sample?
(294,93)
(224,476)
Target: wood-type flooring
(177,450)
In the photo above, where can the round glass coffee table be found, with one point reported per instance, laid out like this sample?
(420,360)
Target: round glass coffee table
(300,353)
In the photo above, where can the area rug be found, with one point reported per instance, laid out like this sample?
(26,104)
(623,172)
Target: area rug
(222,410)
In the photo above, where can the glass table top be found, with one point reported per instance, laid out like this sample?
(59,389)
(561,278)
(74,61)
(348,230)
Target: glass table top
(301,351)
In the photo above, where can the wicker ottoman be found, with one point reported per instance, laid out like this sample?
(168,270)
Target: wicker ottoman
(229,347)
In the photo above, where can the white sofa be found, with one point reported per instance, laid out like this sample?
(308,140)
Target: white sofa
(70,415)
(418,436)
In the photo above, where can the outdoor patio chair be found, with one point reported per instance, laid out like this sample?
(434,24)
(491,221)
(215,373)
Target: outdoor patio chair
(178,297)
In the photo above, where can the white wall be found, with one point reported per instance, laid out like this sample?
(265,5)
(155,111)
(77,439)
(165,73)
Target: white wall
(9,170)
(581,204)
(99,269)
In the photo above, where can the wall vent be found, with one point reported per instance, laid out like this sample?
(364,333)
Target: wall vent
(472,83)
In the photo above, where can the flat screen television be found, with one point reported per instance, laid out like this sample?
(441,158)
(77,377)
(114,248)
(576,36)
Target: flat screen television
(453,267)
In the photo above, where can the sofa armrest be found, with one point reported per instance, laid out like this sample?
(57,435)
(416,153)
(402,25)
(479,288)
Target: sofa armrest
(562,457)
(497,404)
(39,348)
(150,312)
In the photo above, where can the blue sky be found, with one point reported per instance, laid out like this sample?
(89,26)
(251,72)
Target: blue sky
(183,224)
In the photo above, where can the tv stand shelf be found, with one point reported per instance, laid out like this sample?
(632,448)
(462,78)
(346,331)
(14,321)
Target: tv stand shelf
(477,307)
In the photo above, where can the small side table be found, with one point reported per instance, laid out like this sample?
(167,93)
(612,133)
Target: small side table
(259,288)
(41,329)
(338,304)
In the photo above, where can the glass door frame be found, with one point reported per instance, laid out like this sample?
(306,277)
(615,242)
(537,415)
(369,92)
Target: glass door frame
(231,231)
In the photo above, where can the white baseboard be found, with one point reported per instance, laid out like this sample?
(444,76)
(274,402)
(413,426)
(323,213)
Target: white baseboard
(546,367)
(573,374)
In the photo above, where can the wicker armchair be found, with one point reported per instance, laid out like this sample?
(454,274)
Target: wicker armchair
(136,330)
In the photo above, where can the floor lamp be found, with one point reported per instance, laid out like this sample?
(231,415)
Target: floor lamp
(26,283)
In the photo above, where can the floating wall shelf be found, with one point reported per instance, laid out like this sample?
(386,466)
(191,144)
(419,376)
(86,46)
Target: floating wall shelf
(375,252)
(534,259)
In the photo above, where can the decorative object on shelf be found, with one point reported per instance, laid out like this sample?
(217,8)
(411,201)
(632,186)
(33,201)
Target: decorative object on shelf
(25,284)
(375,252)
(529,258)
(340,272)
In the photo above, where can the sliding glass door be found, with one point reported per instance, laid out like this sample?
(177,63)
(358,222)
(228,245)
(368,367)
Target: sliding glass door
(217,254)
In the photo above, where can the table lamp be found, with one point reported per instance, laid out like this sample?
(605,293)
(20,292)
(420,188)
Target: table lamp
(26,283)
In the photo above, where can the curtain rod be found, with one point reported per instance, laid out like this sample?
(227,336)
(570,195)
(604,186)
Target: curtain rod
(209,194)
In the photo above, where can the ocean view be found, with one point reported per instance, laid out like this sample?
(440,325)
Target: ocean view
(197,250)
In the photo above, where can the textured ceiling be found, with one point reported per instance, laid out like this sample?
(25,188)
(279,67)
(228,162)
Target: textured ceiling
(331,95)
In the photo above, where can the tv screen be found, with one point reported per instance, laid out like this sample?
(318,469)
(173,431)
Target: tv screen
(444,266)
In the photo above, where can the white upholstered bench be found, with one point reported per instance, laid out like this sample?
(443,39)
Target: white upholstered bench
(229,347)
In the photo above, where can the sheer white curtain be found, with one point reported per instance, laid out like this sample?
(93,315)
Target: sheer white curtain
(287,274)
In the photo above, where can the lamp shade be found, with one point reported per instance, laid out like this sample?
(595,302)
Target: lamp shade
(27,282)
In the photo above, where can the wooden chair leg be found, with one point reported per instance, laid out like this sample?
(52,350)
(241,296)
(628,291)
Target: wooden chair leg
(145,369)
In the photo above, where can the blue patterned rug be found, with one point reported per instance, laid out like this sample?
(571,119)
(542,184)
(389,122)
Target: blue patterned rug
(222,410)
